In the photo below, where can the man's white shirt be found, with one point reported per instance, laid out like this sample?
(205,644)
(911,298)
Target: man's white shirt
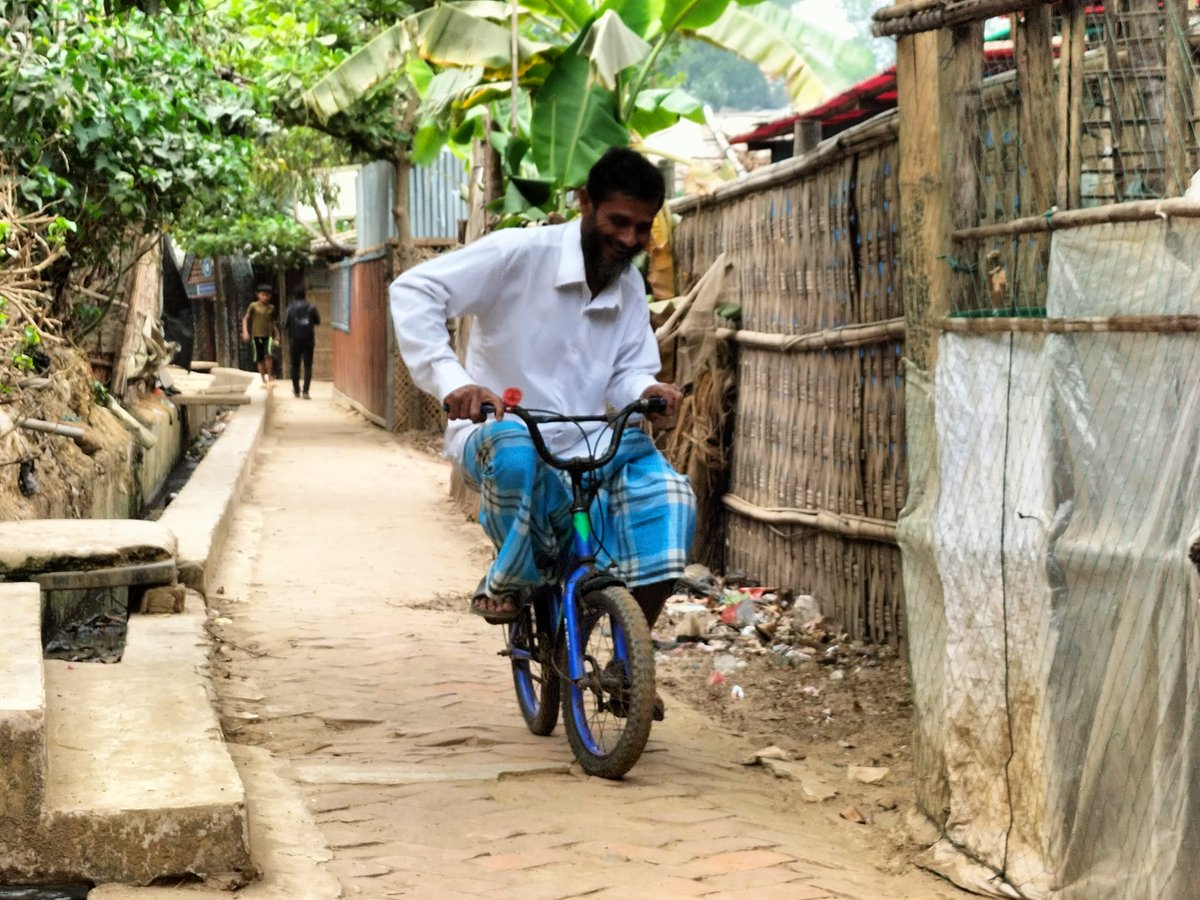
(537,328)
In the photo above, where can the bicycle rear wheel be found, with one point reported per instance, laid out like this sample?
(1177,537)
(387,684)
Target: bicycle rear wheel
(608,713)
(531,648)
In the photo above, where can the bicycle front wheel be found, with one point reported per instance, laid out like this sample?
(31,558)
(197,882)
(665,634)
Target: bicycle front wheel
(609,711)
(531,647)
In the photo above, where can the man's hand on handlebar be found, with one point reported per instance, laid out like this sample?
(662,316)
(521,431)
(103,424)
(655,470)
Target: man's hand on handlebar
(672,395)
(467,401)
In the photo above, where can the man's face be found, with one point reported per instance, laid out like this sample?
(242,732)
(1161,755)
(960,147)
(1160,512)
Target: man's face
(613,232)
(264,296)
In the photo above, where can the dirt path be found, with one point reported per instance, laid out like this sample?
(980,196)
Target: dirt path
(348,655)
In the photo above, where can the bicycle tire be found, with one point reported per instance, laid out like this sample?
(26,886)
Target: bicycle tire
(607,716)
(535,678)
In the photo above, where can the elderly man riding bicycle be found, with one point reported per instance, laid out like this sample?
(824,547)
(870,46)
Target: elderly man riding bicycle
(560,314)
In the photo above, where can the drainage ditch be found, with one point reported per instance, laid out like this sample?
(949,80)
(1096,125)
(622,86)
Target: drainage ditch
(46,892)
(90,624)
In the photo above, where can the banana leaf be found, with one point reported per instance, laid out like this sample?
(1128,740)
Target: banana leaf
(612,47)
(574,13)
(660,108)
(574,121)
(813,64)
(688,15)
(443,34)
(640,15)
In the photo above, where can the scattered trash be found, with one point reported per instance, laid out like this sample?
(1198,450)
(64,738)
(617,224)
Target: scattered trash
(716,626)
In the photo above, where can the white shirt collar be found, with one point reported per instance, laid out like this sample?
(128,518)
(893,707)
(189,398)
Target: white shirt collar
(571,269)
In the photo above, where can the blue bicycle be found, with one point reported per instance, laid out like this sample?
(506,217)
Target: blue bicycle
(582,641)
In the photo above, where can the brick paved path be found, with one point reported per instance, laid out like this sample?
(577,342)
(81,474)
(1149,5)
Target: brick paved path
(350,657)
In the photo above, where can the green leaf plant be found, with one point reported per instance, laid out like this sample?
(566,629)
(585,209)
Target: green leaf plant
(563,80)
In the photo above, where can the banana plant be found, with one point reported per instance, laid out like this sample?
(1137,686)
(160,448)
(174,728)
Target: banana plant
(584,87)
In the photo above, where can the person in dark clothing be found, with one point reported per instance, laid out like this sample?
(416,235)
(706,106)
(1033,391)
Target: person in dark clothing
(300,323)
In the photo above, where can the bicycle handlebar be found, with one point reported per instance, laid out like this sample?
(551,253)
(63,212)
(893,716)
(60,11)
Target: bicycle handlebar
(651,405)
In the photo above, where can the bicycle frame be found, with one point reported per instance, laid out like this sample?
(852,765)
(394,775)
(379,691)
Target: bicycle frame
(582,547)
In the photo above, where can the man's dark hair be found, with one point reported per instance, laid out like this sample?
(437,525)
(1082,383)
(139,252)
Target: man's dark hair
(624,171)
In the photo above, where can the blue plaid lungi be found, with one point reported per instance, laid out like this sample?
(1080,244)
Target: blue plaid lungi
(643,516)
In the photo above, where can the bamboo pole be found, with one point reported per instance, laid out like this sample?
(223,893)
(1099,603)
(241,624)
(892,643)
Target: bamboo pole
(1114,324)
(882,129)
(84,437)
(846,336)
(922,15)
(1070,104)
(1132,211)
(1178,95)
(842,524)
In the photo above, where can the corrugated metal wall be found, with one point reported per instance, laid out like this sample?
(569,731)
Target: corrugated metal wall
(360,352)
(435,200)
(358,287)
(376,189)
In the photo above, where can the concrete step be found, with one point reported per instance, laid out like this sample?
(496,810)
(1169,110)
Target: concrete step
(31,547)
(139,783)
(22,707)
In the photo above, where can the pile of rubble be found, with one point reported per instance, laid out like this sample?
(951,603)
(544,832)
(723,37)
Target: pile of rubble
(768,663)
(731,618)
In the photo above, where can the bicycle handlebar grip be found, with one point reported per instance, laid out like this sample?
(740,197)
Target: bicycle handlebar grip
(488,409)
(656,405)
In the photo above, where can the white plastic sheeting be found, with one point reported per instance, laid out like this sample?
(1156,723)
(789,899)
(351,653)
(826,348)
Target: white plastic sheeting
(1053,609)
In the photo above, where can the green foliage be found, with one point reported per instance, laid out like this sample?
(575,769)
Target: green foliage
(276,240)
(284,47)
(23,357)
(255,219)
(115,122)
(100,393)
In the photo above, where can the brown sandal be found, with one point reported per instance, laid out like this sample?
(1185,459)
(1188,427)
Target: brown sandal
(479,606)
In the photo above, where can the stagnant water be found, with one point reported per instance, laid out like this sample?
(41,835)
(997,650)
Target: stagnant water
(46,892)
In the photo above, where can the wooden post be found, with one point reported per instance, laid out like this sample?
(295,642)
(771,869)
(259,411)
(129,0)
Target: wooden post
(938,76)
(1068,188)
(1039,114)
(806,134)
(1038,120)
(1177,114)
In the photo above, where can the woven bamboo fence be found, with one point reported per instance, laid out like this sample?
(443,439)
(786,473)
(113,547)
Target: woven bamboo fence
(818,470)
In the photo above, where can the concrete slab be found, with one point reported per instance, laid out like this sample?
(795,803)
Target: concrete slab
(139,781)
(31,546)
(199,515)
(22,708)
